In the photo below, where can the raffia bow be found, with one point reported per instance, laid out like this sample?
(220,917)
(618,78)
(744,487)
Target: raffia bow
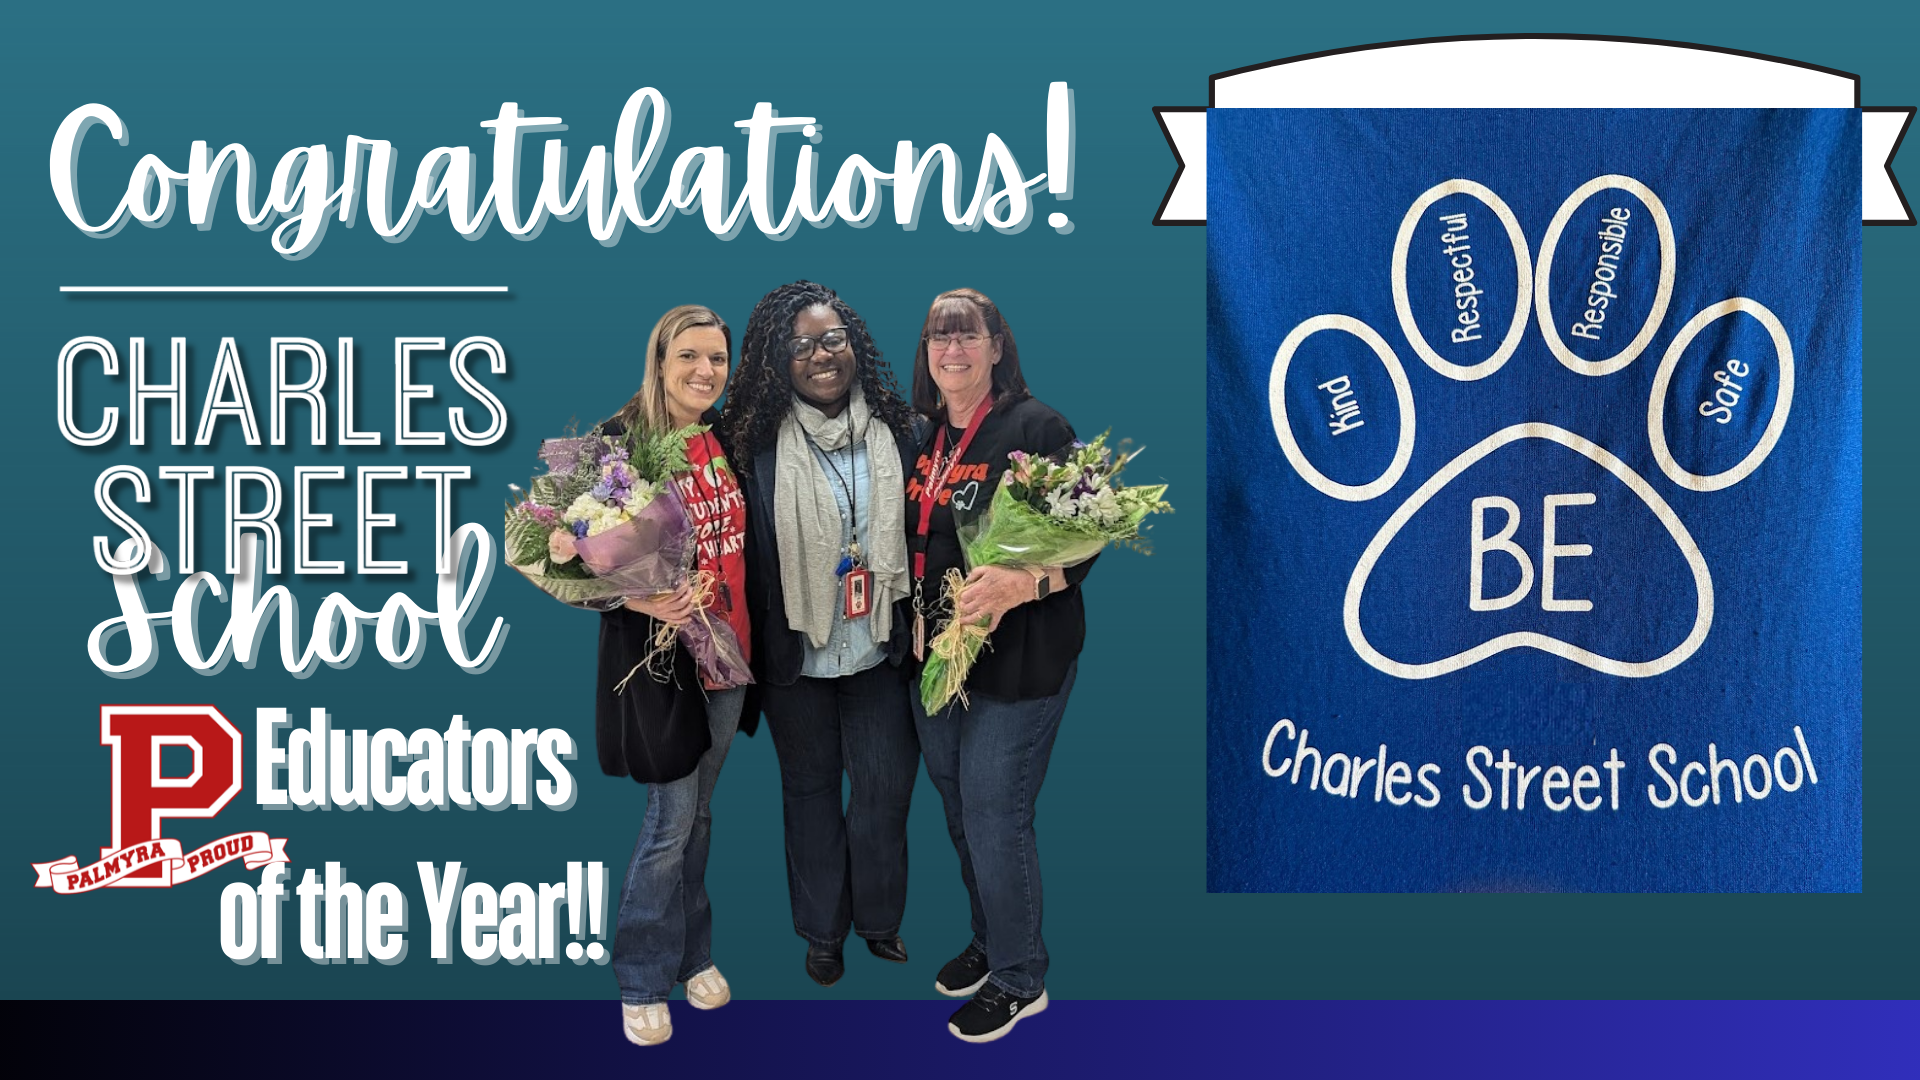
(951,654)
(702,584)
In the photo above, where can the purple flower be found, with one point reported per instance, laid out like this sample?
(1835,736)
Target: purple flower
(564,455)
(580,530)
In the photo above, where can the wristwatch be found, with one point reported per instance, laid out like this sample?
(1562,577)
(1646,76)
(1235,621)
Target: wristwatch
(1042,584)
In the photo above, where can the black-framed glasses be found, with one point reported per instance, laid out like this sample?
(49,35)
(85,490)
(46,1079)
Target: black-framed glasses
(802,347)
(971,342)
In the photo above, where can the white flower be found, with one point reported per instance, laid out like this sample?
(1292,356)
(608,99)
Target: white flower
(642,493)
(598,515)
(1060,503)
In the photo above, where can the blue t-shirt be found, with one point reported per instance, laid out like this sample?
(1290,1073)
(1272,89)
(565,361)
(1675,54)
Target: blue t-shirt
(1534,500)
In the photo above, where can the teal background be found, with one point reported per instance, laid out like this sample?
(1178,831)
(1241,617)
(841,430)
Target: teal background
(1111,324)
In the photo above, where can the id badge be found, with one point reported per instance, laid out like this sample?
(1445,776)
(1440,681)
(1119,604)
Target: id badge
(919,636)
(857,587)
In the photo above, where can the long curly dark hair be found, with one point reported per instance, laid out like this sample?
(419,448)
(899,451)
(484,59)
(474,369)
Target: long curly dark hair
(762,395)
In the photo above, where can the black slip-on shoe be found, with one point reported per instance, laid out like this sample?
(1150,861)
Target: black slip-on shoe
(992,1013)
(892,949)
(825,964)
(964,974)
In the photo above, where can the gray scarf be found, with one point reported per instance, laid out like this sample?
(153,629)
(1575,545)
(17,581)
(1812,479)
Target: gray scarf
(807,525)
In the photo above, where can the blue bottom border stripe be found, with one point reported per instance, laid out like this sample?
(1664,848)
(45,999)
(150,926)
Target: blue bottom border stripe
(859,1038)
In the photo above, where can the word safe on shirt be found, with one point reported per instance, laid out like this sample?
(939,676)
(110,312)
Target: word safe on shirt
(1534,500)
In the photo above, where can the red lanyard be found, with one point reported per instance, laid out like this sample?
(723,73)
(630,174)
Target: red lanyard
(931,493)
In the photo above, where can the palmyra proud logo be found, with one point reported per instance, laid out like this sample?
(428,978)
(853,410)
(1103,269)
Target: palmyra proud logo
(143,797)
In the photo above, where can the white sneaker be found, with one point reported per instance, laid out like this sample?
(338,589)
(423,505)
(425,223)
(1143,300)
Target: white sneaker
(647,1025)
(708,989)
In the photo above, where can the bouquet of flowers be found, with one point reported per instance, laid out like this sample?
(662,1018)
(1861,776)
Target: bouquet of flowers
(605,523)
(1044,513)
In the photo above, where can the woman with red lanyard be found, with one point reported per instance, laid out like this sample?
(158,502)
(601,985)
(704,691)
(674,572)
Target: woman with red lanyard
(987,758)
(665,928)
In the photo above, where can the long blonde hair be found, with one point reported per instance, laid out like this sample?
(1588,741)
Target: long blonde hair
(647,409)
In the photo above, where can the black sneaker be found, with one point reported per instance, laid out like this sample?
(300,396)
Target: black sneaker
(964,973)
(992,1013)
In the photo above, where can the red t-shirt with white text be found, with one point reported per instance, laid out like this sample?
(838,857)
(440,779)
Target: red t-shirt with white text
(718,512)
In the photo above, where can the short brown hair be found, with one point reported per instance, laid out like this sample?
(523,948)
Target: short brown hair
(956,311)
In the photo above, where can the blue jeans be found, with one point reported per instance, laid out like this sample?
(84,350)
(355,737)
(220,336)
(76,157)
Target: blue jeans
(987,762)
(845,869)
(665,929)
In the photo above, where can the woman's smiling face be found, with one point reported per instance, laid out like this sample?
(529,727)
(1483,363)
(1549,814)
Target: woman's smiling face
(822,375)
(695,374)
(960,357)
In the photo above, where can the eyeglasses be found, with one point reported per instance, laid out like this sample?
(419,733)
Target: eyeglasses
(970,342)
(802,347)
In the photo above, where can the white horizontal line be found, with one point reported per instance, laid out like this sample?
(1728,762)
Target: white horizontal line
(283,288)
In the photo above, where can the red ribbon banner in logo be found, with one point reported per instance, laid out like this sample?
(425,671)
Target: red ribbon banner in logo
(253,849)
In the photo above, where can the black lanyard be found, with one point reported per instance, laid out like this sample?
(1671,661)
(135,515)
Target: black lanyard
(850,484)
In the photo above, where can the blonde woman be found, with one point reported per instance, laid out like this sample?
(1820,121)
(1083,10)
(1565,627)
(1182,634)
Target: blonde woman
(673,735)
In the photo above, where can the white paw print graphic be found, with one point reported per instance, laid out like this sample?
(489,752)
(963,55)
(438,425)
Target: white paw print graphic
(1725,386)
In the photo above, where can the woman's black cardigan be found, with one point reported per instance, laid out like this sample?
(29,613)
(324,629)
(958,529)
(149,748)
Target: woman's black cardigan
(778,649)
(1030,651)
(652,730)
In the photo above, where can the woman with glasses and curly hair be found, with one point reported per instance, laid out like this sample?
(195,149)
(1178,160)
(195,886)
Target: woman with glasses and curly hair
(988,756)
(820,436)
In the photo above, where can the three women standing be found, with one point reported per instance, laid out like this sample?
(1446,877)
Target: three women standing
(831,547)
(822,436)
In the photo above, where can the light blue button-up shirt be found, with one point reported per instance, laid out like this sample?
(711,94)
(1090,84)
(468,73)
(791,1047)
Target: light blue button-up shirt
(850,648)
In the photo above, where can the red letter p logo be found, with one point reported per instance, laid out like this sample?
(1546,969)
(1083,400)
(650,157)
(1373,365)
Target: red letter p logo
(141,795)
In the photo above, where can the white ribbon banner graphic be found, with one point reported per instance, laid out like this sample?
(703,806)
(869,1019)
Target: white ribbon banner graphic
(1567,71)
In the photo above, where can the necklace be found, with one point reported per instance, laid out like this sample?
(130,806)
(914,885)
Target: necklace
(851,557)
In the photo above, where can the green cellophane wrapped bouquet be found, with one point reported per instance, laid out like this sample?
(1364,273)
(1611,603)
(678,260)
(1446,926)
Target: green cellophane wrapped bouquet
(1046,512)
